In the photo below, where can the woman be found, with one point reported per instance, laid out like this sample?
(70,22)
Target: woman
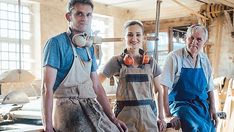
(137,76)
(187,77)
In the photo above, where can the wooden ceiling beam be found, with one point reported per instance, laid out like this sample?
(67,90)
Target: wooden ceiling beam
(190,10)
(229,3)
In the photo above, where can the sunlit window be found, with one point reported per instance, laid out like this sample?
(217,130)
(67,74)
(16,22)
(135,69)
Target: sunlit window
(104,24)
(162,47)
(9,36)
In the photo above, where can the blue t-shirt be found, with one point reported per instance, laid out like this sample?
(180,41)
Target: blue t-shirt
(59,55)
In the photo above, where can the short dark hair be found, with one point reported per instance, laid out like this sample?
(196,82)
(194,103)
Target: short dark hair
(133,22)
(71,3)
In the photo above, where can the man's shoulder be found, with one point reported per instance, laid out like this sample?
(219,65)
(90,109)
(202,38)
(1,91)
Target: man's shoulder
(203,55)
(176,53)
(59,40)
(59,36)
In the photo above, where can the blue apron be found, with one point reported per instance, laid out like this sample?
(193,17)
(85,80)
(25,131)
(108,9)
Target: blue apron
(188,101)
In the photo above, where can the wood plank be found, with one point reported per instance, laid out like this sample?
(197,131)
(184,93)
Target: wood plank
(26,114)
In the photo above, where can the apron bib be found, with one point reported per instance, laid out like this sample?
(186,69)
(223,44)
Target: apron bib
(188,98)
(75,107)
(135,104)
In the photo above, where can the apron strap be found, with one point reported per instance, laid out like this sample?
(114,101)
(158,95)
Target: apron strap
(121,104)
(88,52)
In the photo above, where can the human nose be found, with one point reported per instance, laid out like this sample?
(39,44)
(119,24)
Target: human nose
(134,38)
(194,41)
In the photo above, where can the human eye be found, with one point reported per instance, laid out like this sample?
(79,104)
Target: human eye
(199,39)
(79,14)
(89,15)
(138,34)
(130,35)
(191,38)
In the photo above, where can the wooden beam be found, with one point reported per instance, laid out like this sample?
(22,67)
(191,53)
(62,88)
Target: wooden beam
(149,26)
(190,10)
(148,38)
(112,39)
(229,21)
(170,39)
(229,2)
(218,39)
(224,2)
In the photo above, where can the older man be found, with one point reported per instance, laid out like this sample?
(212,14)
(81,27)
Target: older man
(187,78)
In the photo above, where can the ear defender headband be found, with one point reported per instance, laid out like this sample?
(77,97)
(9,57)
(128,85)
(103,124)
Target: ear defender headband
(80,39)
(128,60)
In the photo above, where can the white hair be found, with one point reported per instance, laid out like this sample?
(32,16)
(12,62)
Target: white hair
(194,28)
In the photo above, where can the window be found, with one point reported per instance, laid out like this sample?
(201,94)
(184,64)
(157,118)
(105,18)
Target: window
(11,55)
(179,34)
(104,24)
(163,48)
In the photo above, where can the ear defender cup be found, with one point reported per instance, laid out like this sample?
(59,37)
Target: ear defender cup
(89,41)
(145,59)
(79,40)
(82,40)
(128,60)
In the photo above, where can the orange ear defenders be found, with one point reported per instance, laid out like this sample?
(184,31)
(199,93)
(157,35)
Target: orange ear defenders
(128,60)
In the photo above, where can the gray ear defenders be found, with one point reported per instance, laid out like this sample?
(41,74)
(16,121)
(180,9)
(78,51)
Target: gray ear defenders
(81,39)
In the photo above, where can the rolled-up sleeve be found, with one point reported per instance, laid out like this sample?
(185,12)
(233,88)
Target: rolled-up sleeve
(51,54)
(168,73)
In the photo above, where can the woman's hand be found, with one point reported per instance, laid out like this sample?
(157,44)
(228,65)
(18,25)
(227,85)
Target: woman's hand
(162,125)
(175,122)
(120,124)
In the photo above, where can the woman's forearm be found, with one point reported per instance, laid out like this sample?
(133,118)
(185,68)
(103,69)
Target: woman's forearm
(160,104)
(165,102)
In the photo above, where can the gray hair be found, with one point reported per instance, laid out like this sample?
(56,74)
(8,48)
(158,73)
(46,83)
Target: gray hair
(71,3)
(133,22)
(195,27)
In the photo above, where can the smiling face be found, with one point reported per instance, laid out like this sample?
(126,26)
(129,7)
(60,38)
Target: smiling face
(134,36)
(80,17)
(195,40)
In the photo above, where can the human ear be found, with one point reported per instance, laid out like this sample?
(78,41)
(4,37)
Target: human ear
(68,16)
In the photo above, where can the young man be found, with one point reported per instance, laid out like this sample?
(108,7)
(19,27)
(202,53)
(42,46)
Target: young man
(71,87)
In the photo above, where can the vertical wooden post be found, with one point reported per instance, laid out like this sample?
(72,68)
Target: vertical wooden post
(157,25)
(170,39)
(217,45)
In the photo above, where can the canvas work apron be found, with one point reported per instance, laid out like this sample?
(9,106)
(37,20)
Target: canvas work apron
(188,98)
(75,107)
(135,104)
